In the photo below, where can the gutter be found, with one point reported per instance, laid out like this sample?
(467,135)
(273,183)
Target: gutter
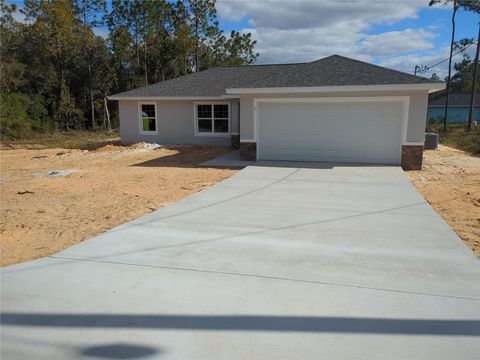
(147,98)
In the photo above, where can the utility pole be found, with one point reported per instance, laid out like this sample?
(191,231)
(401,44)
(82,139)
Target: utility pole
(445,120)
(474,84)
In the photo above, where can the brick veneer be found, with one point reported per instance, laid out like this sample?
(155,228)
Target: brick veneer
(235,141)
(248,151)
(412,156)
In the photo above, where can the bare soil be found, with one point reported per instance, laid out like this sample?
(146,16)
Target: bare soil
(450,182)
(54,198)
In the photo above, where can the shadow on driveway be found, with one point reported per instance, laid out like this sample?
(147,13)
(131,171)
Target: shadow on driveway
(248,323)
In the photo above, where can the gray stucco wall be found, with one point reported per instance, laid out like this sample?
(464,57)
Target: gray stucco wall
(176,118)
(175,122)
(416,118)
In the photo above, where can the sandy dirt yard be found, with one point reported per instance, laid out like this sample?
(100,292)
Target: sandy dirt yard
(54,198)
(450,182)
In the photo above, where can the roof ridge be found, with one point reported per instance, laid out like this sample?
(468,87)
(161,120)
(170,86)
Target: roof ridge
(251,65)
(378,66)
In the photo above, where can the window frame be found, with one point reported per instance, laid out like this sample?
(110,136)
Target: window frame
(211,133)
(140,118)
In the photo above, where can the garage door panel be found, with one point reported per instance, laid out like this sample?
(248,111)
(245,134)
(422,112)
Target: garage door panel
(368,132)
(353,155)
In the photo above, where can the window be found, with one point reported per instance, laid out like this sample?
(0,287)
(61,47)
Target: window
(212,119)
(148,118)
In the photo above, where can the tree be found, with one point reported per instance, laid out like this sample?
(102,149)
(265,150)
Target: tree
(57,73)
(469,5)
(462,78)
(12,71)
(126,25)
(474,83)
(240,49)
(58,35)
(183,42)
(87,12)
(204,26)
(434,76)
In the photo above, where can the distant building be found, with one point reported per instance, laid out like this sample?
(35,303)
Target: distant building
(458,105)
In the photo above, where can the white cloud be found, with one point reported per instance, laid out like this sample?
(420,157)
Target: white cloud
(407,62)
(292,14)
(305,30)
(297,45)
(396,42)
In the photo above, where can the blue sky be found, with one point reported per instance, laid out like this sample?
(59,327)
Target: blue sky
(394,33)
(397,34)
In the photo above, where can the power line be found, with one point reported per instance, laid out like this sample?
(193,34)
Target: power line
(420,69)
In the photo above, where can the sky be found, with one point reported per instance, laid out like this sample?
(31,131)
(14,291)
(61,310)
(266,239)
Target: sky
(394,33)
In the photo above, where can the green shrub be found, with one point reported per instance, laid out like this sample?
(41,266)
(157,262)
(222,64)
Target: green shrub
(22,115)
(14,119)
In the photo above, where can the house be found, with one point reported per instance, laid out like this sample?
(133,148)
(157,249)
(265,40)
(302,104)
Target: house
(335,109)
(458,106)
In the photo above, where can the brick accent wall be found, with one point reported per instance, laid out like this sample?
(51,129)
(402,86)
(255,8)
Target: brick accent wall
(235,141)
(412,156)
(248,151)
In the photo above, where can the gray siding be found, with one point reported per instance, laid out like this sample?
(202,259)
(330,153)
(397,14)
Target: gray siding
(416,118)
(175,122)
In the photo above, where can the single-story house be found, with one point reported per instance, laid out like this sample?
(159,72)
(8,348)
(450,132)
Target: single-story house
(458,106)
(335,109)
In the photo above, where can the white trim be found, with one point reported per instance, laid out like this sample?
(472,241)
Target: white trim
(403,99)
(413,143)
(405,116)
(431,87)
(334,99)
(214,134)
(140,119)
(155,98)
(247,140)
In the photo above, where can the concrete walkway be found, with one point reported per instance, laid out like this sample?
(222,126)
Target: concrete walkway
(231,159)
(276,262)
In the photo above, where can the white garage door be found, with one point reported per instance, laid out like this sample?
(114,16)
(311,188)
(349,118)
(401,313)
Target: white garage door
(349,132)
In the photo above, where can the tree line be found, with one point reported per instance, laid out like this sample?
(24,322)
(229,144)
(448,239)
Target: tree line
(56,73)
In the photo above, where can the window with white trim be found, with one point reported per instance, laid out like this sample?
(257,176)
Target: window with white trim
(212,119)
(148,118)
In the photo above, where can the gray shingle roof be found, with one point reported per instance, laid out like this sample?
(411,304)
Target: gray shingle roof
(333,70)
(455,100)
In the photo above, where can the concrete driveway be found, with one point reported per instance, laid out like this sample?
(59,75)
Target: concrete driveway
(276,262)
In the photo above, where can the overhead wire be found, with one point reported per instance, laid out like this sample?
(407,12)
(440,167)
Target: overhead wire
(426,68)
